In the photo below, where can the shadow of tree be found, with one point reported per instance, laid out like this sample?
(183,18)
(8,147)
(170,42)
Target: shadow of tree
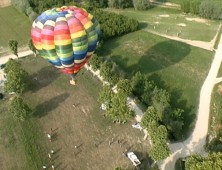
(42,78)
(43,108)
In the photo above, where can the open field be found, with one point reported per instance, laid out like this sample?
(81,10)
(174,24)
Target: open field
(18,142)
(174,65)
(215,123)
(14,25)
(52,98)
(172,22)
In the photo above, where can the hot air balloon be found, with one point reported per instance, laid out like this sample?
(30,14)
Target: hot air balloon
(66,37)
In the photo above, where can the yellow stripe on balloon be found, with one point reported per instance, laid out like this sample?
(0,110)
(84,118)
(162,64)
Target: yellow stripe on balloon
(90,16)
(67,55)
(52,58)
(93,38)
(78,34)
(88,25)
(38,47)
(48,47)
(63,42)
(79,61)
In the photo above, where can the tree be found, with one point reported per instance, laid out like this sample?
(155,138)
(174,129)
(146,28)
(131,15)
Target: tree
(185,6)
(137,83)
(141,4)
(15,77)
(31,47)
(148,92)
(211,162)
(161,100)
(19,109)
(119,110)
(13,45)
(195,6)
(210,9)
(124,85)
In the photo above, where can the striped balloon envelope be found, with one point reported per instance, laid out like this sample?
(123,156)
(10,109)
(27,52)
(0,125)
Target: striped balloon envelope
(66,37)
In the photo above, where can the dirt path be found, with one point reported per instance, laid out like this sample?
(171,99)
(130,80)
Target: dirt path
(197,140)
(165,4)
(5,3)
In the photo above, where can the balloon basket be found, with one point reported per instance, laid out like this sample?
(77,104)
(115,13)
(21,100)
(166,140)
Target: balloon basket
(72,82)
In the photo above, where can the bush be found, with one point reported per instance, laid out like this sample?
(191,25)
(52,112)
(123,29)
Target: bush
(120,3)
(20,109)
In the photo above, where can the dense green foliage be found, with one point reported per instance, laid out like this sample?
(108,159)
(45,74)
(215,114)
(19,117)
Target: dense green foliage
(116,104)
(13,45)
(211,162)
(20,109)
(151,95)
(25,7)
(124,85)
(95,62)
(211,9)
(141,4)
(113,25)
(108,71)
(120,3)
(157,133)
(15,77)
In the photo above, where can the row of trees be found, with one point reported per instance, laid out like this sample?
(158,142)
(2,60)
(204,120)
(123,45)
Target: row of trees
(25,7)
(113,25)
(211,9)
(120,4)
(150,94)
(117,109)
(16,79)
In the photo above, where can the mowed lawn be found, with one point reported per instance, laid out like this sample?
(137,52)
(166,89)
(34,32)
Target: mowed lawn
(176,66)
(14,26)
(172,22)
(52,98)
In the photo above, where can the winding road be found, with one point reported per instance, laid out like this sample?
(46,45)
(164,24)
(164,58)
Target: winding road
(197,140)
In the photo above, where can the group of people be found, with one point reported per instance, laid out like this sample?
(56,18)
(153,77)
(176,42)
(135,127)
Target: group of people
(51,153)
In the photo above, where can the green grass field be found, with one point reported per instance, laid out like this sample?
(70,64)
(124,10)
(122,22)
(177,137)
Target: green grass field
(167,21)
(174,65)
(51,97)
(14,25)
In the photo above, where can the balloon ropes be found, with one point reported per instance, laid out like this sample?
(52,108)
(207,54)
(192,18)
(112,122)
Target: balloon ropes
(66,37)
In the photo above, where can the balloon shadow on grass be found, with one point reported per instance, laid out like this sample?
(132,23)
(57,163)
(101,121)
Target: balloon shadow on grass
(42,78)
(160,56)
(45,107)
